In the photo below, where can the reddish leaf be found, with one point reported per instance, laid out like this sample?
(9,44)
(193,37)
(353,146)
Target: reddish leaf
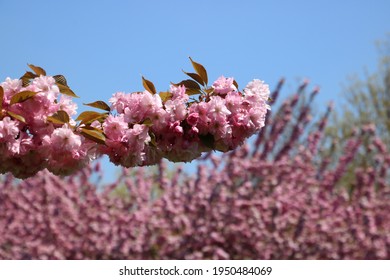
(37,70)
(148,85)
(22,96)
(99,104)
(93,134)
(194,76)
(200,70)
(89,127)
(27,77)
(192,87)
(235,84)
(66,90)
(189,84)
(60,79)
(16,116)
(165,95)
(209,90)
(193,91)
(61,117)
(90,116)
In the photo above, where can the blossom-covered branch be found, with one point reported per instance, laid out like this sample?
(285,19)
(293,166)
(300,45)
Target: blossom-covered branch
(38,131)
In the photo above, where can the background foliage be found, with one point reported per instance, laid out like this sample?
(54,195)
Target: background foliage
(280,198)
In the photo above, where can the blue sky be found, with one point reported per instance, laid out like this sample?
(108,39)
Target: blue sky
(105,46)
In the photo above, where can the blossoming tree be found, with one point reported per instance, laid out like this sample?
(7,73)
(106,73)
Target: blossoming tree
(275,199)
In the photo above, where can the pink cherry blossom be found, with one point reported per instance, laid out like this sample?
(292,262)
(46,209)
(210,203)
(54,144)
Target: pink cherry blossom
(179,92)
(115,127)
(118,101)
(8,129)
(192,119)
(217,108)
(224,85)
(66,104)
(64,139)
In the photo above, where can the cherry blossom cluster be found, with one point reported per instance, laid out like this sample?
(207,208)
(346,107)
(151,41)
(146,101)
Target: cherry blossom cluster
(38,131)
(146,128)
(29,142)
(282,200)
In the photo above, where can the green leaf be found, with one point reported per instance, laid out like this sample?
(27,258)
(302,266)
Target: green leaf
(16,116)
(153,141)
(207,140)
(60,79)
(90,116)
(1,98)
(60,117)
(165,95)
(66,90)
(194,76)
(22,96)
(200,70)
(221,147)
(148,122)
(93,134)
(148,85)
(99,104)
(37,70)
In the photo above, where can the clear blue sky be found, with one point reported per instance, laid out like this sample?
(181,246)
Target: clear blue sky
(105,46)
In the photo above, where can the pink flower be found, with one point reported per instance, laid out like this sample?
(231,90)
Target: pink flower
(8,129)
(217,107)
(233,101)
(46,86)
(138,136)
(21,145)
(179,93)
(257,116)
(220,128)
(224,85)
(194,131)
(256,90)
(192,119)
(11,87)
(201,109)
(159,119)
(115,127)
(150,103)
(176,128)
(66,104)
(179,130)
(176,109)
(118,101)
(64,139)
